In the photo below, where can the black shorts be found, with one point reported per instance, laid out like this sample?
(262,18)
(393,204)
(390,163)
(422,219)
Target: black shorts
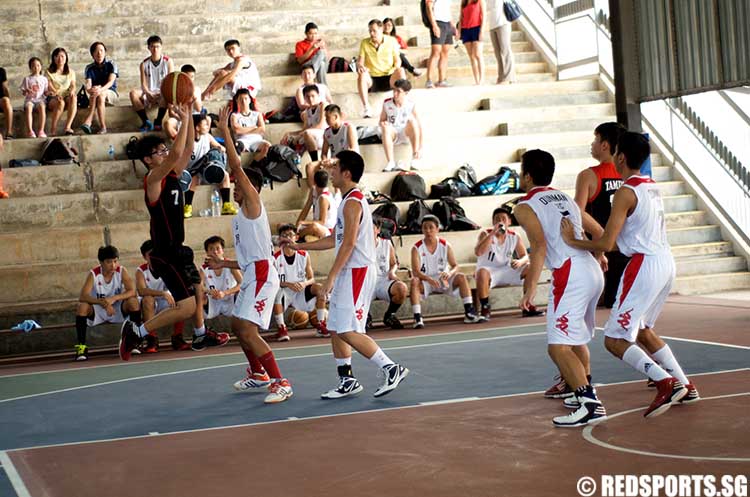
(380,84)
(446,34)
(176,268)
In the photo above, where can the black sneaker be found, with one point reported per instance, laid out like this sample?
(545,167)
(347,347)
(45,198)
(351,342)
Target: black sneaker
(392,322)
(347,386)
(129,339)
(210,339)
(532,312)
(393,374)
(179,343)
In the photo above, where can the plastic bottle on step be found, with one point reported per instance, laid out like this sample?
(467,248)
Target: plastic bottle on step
(215,203)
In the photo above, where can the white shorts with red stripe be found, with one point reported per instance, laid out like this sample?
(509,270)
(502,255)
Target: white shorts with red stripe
(574,293)
(644,287)
(445,288)
(254,303)
(101,316)
(351,298)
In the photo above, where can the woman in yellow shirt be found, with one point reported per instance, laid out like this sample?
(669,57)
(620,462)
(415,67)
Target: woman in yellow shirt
(62,91)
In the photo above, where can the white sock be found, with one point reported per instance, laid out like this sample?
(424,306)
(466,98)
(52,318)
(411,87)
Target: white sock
(380,359)
(416,309)
(199,332)
(142,331)
(467,300)
(347,361)
(279,319)
(641,362)
(320,314)
(666,360)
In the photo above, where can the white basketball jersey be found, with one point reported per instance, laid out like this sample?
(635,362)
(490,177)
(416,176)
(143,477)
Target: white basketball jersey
(363,254)
(201,146)
(155,73)
(398,116)
(249,120)
(338,140)
(221,282)
(103,289)
(550,206)
(330,220)
(433,263)
(499,254)
(152,282)
(383,257)
(252,238)
(644,231)
(294,272)
(313,115)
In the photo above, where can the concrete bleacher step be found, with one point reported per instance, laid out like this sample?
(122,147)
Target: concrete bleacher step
(590,97)
(711,283)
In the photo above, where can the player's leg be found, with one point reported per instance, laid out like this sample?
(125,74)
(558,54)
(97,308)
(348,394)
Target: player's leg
(280,304)
(348,384)
(483,279)
(252,343)
(397,296)
(138,102)
(225,190)
(415,295)
(388,135)
(415,139)
(399,73)
(84,313)
(190,195)
(310,139)
(171,127)
(314,229)
(461,283)
(316,289)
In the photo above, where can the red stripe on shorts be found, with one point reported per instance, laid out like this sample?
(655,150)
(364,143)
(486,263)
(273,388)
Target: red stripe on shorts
(628,277)
(261,275)
(358,279)
(560,281)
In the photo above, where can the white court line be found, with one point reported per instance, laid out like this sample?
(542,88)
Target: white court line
(228,354)
(327,416)
(448,401)
(307,356)
(589,437)
(704,342)
(15,479)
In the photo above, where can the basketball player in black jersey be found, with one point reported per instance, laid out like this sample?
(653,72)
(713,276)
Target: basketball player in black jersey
(170,259)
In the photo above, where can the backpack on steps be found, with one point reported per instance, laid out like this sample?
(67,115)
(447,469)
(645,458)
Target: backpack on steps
(408,186)
(414,214)
(59,152)
(452,216)
(280,165)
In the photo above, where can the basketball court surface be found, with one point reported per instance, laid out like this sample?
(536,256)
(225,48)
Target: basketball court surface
(469,420)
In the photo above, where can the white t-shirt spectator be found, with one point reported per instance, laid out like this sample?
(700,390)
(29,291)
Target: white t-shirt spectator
(496,14)
(441,10)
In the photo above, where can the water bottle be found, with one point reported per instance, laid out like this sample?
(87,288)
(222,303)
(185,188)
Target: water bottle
(215,203)
(111,152)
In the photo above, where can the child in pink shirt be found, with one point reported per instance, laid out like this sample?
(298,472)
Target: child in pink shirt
(34,90)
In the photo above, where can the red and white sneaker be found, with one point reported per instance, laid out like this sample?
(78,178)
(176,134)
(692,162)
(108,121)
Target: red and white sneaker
(282,335)
(668,391)
(559,390)
(252,380)
(279,391)
(692,395)
(322,330)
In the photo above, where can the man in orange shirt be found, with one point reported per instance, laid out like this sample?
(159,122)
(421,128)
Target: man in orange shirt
(312,50)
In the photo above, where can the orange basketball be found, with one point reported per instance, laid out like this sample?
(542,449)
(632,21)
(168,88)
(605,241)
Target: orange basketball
(177,88)
(299,320)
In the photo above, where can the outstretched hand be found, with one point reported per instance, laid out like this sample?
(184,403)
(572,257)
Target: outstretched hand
(224,114)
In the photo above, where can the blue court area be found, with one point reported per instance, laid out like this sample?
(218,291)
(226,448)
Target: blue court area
(164,396)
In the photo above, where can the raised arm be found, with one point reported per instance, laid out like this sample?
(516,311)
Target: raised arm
(251,205)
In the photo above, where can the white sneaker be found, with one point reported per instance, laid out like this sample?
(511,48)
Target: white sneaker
(347,386)
(418,325)
(393,375)
(279,391)
(390,167)
(366,113)
(252,381)
(416,165)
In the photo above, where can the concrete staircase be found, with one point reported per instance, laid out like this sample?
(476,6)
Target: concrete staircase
(57,217)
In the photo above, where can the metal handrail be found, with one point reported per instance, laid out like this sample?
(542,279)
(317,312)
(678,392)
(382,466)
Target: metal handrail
(711,142)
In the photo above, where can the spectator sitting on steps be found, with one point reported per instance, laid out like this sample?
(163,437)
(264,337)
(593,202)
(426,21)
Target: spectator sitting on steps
(389,28)
(378,64)
(153,70)
(238,74)
(62,91)
(399,123)
(101,85)
(308,78)
(312,51)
